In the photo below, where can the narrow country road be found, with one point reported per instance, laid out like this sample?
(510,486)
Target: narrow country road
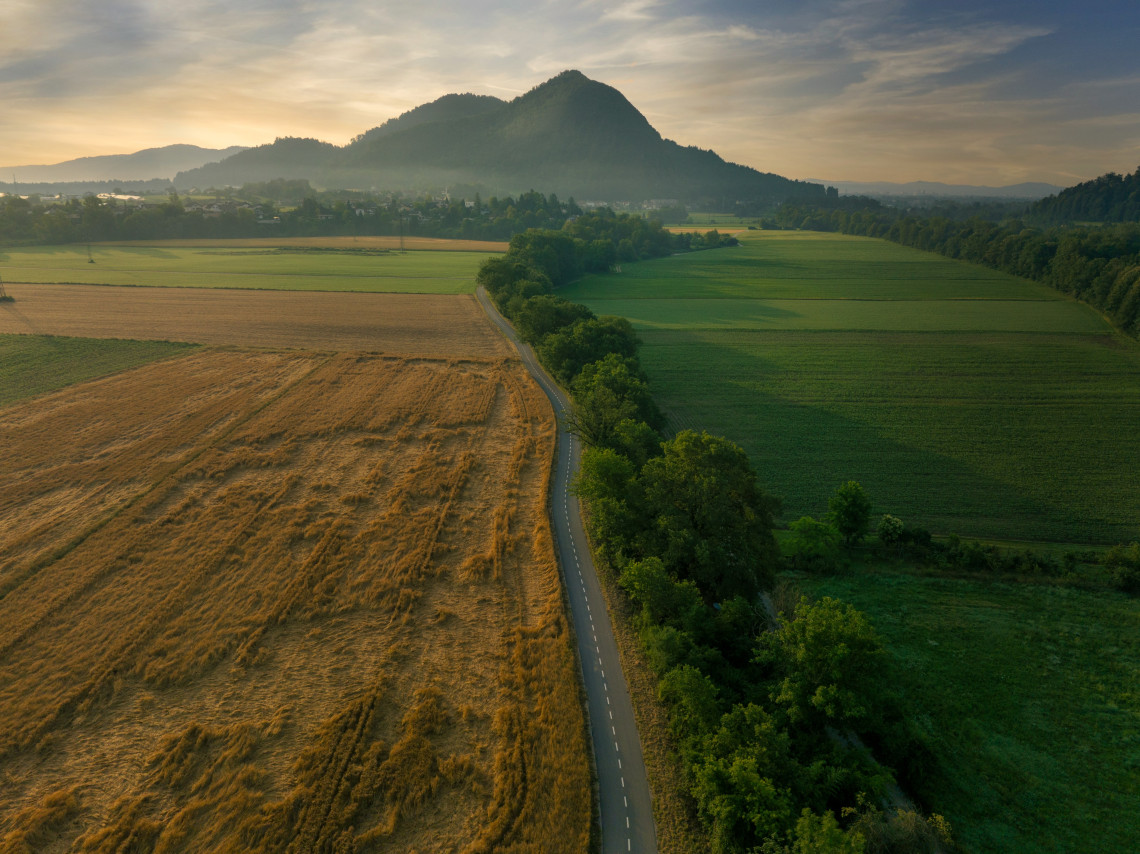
(623,789)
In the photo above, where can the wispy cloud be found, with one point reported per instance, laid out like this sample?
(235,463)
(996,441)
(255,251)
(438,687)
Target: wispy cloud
(855,89)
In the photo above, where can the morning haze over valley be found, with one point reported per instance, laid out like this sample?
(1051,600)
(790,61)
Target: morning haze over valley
(581,427)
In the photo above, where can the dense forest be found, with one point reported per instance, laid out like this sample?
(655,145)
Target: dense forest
(1109,198)
(769,716)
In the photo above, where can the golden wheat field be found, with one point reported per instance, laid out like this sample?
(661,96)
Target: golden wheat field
(286,601)
(408,324)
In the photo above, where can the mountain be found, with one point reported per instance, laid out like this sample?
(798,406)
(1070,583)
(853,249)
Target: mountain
(1028,191)
(1109,198)
(447,108)
(570,135)
(286,157)
(143,165)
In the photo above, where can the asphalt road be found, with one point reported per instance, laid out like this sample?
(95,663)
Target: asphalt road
(623,789)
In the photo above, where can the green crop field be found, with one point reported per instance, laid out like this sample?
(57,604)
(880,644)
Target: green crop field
(294,269)
(1030,696)
(35,364)
(808,265)
(1009,417)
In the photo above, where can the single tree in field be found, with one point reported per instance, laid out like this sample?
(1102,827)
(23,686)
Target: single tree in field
(849,510)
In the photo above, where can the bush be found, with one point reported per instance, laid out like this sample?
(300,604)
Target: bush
(814,546)
(1124,564)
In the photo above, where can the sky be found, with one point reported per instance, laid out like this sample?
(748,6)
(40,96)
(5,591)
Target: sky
(959,91)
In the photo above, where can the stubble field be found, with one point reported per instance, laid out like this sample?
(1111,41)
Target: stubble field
(408,324)
(269,600)
(305,600)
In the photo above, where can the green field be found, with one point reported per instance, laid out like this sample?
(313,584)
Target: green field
(1031,697)
(421,271)
(35,364)
(1011,414)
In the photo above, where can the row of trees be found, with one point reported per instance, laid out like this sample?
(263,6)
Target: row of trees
(1097,264)
(293,208)
(688,530)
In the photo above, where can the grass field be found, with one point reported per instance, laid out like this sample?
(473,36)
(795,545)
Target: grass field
(35,364)
(964,400)
(1030,696)
(320,266)
(268,601)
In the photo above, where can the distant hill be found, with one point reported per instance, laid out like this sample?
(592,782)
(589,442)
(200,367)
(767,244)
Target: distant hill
(1026,191)
(1109,198)
(143,165)
(570,135)
(286,157)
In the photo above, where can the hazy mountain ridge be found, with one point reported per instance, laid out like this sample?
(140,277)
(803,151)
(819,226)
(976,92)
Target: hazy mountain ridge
(1028,190)
(570,135)
(145,165)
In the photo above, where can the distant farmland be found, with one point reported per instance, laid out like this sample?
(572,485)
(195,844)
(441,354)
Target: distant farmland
(965,400)
(269,600)
(315,264)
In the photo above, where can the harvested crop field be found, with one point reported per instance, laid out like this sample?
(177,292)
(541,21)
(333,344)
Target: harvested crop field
(270,601)
(409,324)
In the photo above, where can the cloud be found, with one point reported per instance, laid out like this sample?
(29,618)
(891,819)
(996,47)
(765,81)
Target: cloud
(861,89)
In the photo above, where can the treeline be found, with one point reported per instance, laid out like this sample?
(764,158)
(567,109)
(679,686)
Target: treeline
(768,722)
(1109,198)
(291,208)
(1099,265)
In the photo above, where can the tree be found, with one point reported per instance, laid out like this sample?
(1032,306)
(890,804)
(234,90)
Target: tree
(827,663)
(849,510)
(608,481)
(540,315)
(821,834)
(566,351)
(607,393)
(742,777)
(814,545)
(708,519)
(890,532)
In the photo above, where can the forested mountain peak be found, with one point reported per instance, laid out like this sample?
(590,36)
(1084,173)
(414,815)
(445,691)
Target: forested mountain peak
(571,97)
(570,135)
(447,108)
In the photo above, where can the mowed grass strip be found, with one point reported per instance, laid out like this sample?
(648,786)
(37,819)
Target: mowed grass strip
(807,265)
(223,266)
(1029,695)
(975,315)
(31,365)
